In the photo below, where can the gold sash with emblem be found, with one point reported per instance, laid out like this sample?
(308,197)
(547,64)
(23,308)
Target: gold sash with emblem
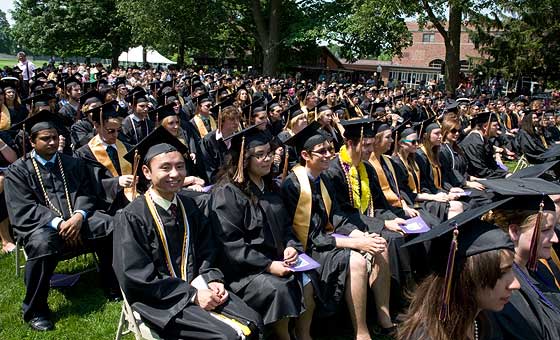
(392,197)
(302,217)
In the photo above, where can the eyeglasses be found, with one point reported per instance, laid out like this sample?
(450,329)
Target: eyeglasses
(411,141)
(324,152)
(263,156)
(454,130)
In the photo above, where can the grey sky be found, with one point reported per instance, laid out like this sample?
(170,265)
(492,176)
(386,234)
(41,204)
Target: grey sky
(6,6)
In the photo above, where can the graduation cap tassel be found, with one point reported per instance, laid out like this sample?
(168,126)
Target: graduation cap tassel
(533,256)
(446,294)
(135,172)
(285,167)
(396,143)
(23,141)
(220,118)
(238,176)
(359,146)
(488,125)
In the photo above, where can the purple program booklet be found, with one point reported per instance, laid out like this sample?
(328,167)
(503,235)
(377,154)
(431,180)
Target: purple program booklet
(415,225)
(304,263)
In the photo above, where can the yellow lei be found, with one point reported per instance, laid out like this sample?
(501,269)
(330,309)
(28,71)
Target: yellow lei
(357,179)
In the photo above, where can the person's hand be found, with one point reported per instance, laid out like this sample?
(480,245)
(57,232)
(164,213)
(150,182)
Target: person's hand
(456,190)
(126,181)
(219,289)
(394,225)
(278,268)
(195,187)
(410,212)
(61,143)
(372,245)
(207,299)
(198,181)
(441,197)
(452,196)
(475,185)
(290,256)
(70,229)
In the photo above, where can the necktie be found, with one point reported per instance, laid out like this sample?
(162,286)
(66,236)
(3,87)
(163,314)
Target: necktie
(144,129)
(114,156)
(50,166)
(173,210)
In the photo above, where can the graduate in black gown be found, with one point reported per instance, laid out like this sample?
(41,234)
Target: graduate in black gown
(248,216)
(104,154)
(531,141)
(534,311)
(478,149)
(311,205)
(82,131)
(137,125)
(472,276)
(51,205)
(213,145)
(352,174)
(164,255)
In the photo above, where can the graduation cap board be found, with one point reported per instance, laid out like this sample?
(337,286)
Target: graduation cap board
(457,239)
(358,128)
(308,137)
(521,186)
(91,97)
(243,140)
(162,112)
(536,170)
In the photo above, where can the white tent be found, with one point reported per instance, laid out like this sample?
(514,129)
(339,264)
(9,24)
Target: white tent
(134,55)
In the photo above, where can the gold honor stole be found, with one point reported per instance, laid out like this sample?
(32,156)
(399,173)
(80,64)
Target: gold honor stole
(390,195)
(201,127)
(436,170)
(100,153)
(5,120)
(413,175)
(302,217)
(556,261)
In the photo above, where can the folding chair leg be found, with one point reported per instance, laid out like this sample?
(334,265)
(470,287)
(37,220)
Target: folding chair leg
(121,325)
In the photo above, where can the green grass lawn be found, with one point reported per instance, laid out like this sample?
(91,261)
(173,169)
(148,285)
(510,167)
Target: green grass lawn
(12,62)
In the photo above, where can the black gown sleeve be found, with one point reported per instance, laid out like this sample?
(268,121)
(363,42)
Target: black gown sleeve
(480,158)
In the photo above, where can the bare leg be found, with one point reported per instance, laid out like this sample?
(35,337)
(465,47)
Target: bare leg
(280,329)
(455,208)
(7,241)
(356,295)
(380,282)
(303,323)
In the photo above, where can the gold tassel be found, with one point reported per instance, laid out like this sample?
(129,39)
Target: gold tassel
(238,176)
(359,145)
(220,118)
(23,140)
(448,283)
(533,251)
(135,165)
(285,167)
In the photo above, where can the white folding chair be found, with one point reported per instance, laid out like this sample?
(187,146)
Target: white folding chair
(130,321)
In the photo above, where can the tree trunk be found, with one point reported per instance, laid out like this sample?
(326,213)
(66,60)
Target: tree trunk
(268,37)
(453,48)
(181,57)
(144,55)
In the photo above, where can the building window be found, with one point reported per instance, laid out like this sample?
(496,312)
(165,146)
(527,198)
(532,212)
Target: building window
(428,38)
(436,63)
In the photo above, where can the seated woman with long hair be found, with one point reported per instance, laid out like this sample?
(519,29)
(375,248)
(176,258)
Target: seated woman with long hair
(472,275)
(408,173)
(13,111)
(530,139)
(534,311)
(249,219)
(454,165)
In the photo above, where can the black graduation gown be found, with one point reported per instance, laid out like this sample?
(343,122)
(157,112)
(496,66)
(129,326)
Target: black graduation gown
(321,245)
(133,131)
(6,137)
(110,194)
(337,139)
(213,154)
(81,133)
(454,174)
(164,301)
(254,232)
(191,140)
(531,146)
(526,316)
(480,157)
(69,114)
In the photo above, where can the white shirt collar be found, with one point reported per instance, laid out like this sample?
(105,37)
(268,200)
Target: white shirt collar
(162,202)
(41,159)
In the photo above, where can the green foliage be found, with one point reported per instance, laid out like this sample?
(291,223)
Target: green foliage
(6,41)
(521,38)
(87,28)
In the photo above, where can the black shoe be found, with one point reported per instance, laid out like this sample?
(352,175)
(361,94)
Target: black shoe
(41,323)
(391,331)
(113,295)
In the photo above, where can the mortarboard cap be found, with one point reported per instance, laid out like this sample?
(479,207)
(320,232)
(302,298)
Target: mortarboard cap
(536,170)
(162,112)
(9,82)
(521,186)
(484,117)
(308,137)
(157,142)
(41,99)
(91,97)
(107,110)
(358,128)
(380,126)
(42,120)
(243,140)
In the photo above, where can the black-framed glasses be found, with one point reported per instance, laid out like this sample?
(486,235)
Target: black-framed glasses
(454,130)
(411,141)
(263,156)
(324,151)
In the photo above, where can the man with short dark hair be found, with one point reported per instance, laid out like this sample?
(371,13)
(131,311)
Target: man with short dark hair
(51,206)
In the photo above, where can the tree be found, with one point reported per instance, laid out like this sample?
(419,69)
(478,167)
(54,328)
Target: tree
(523,38)
(6,42)
(87,28)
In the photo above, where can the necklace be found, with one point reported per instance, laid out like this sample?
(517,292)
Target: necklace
(47,200)
(475,330)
